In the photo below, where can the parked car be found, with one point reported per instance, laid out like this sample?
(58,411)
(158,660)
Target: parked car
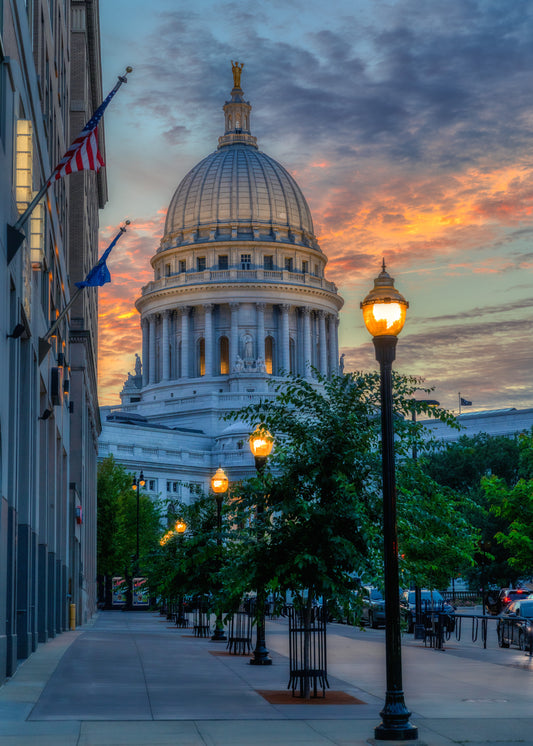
(431,601)
(373,609)
(506,595)
(515,625)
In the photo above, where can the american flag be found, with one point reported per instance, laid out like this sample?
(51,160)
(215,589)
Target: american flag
(83,154)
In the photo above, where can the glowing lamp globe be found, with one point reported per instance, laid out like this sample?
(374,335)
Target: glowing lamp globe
(261,443)
(384,308)
(180,527)
(219,481)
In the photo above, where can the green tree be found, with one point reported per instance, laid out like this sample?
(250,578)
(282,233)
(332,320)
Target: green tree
(461,466)
(322,508)
(191,564)
(117,523)
(515,505)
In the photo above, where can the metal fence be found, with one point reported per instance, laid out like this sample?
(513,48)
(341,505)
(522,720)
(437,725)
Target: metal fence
(509,630)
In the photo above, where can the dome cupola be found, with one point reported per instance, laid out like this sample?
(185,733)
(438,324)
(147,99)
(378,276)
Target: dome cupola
(238,192)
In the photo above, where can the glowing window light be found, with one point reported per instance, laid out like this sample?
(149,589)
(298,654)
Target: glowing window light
(37,236)
(23,164)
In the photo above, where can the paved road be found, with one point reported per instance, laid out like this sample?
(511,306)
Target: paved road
(133,678)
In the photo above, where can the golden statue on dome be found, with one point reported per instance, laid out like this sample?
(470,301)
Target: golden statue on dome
(236,70)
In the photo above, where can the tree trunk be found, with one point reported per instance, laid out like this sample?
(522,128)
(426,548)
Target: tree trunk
(307,645)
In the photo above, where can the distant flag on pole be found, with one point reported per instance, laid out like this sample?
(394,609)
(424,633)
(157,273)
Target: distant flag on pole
(99,274)
(463,402)
(84,154)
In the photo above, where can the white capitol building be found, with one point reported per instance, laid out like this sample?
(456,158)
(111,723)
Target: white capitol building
(238,300)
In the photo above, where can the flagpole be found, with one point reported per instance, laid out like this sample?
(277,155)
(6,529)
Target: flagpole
(44,344)
(459,395)
(50,332)
(15,237)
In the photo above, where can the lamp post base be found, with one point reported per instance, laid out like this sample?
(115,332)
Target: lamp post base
(408,733)
(261,660)
(395,725)
(219,635)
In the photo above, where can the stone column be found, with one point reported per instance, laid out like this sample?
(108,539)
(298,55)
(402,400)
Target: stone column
(151,349)
(208,339)
(306,312)
(285,351)
(183,311)
(145,351)
(234,336)
(166,346)
(322,343)
(333,350)
(260,308)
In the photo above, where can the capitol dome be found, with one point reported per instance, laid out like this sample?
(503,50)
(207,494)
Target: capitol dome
(240,186)
(238,192)
(239,296)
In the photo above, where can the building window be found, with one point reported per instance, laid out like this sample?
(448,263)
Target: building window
(268,262)
(200,263)
(169,487)
(246,261)
(201,356)
(305,267)
(288,263)
(195,488)
(223,261)
(167,270)
(269,355)
(316,270)
(37,236)
(151,485)
(224,356)
(24,164)
(182,265)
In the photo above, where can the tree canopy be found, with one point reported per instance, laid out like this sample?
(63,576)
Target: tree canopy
(321,499)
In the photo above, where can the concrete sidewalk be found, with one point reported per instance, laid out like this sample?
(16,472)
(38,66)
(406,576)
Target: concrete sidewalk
(133,678)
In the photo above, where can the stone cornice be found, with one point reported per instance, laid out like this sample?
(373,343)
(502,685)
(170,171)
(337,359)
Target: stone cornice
(219,293)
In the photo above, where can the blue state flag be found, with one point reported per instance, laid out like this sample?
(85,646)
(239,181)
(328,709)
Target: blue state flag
(465,402)
(99,274)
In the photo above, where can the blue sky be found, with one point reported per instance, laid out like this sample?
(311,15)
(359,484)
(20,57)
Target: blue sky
(407,125)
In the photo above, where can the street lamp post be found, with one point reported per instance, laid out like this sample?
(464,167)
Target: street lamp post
(384,311)
(261,443)
(136,487)
(219,485)
(180,527)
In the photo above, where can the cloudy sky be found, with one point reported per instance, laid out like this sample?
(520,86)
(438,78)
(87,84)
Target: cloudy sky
(408,125)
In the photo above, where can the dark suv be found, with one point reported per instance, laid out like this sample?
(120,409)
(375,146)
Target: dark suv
(506,595)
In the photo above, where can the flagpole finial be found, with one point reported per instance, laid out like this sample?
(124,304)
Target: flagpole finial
(123,227)
(123,78)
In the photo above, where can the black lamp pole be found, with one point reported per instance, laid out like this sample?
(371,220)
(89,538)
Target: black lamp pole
(136,487)
(395,723)
(260,654)
(219,625)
